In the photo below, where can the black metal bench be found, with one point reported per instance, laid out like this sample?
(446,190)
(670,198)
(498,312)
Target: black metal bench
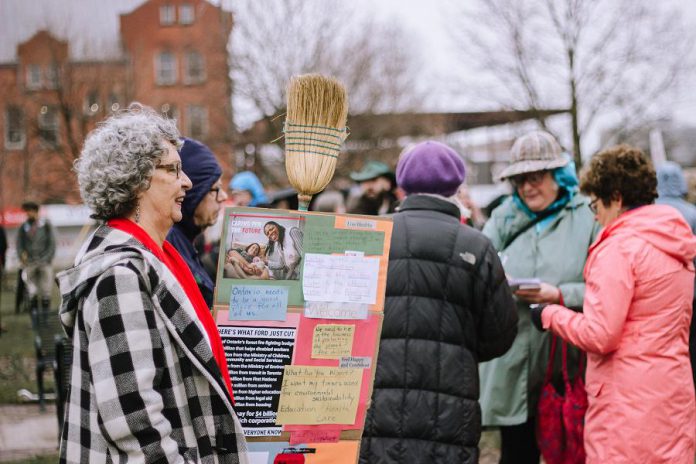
(47,328)
(64,351)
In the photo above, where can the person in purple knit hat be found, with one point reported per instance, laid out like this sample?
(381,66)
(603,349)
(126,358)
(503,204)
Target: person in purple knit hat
(448,306)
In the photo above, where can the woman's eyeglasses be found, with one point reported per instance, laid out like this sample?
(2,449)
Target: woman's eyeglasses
(173,168)
(593,205)
(533,178)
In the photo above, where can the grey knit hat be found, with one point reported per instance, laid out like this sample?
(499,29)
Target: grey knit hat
(535,151)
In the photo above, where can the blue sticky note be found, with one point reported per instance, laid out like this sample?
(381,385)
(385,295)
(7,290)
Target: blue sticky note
(258,303)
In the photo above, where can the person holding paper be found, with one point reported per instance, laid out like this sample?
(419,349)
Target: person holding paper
(149,376)
(542,232)
(447,307)
(635,324)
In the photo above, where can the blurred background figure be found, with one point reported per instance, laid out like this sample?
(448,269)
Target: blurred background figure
(3,252)
(471,214)
(330,201)
(672,189)
(635,320)
(542,231)
(36,247)
(377,190)
(200,209)
(246,190)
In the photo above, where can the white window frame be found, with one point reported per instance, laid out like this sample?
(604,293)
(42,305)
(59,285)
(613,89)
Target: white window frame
(160,69)
(188,77)
(10,144)
(167,14)
(33,78)
(48,125)
(194,112)
(187,14)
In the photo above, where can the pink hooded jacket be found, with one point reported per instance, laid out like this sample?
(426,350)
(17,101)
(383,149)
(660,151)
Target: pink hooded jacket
(635,328)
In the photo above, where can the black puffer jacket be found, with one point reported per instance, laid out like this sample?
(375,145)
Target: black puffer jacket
(448,307)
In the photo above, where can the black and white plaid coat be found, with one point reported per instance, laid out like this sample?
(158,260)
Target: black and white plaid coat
(144,385)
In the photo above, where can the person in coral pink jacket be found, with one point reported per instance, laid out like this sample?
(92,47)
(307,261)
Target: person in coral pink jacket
(635,325)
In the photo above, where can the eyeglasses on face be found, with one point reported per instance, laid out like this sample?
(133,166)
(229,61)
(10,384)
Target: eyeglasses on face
(218,195)
(533,178)
(593,205)
(172,168)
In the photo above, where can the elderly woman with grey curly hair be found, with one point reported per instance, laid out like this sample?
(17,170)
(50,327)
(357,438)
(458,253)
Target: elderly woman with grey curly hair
(149,379)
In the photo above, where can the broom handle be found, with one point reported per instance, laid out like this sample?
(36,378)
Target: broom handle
(303,201)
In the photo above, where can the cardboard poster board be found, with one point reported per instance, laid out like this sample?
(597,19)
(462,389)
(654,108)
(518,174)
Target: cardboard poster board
(299,304)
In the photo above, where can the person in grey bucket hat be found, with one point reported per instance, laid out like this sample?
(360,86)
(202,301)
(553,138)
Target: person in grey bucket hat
(542,231)
(535,151)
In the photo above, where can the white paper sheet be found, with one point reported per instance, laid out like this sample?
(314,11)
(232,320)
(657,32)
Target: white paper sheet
(343,279)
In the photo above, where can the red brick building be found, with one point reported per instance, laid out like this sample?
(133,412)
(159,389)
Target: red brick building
(171,55)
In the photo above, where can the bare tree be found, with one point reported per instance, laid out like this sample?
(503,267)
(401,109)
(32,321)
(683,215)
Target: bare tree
(594,57)
(275,39)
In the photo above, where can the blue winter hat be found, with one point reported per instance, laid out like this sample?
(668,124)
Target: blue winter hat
(248,181)
(430,167)
(201,166)
(671,181)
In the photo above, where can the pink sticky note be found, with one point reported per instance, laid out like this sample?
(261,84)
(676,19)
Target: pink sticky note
(314,436)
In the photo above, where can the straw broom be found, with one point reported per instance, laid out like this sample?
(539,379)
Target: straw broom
(315,128)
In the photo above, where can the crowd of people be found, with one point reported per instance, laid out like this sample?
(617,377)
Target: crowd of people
(605,262)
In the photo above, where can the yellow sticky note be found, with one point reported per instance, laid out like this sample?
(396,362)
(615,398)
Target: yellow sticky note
(312,395)
(332,341)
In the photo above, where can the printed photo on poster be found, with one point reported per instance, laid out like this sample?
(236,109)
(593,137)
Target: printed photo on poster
(263,248)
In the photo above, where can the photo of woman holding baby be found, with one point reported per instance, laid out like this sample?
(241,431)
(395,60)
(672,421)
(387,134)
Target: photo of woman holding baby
(279,258)
(284,251)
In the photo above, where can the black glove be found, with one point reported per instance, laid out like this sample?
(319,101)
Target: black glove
(535,312)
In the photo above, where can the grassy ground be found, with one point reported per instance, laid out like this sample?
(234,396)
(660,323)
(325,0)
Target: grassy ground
(51,459)
(17,357)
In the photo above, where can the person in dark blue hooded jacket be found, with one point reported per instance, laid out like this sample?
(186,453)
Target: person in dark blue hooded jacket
(200,209)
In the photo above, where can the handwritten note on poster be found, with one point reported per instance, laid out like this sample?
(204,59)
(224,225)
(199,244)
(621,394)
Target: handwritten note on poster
(327,240)
(258,303)
(312,395)
(348,279)
(315,436)
(329,310)
(332,341)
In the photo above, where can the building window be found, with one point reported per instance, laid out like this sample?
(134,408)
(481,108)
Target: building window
(165,66)
(197,121)
(51,77)
(186,14)
(167,15)
(195,68)
(14,128)
(33,77)
(48,125)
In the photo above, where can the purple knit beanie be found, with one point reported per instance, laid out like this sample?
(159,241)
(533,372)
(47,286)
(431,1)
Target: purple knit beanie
(430,167)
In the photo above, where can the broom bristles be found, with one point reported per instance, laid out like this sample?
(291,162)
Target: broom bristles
(315,127)
(317,100)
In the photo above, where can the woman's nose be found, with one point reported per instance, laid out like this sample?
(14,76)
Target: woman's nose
(186,183)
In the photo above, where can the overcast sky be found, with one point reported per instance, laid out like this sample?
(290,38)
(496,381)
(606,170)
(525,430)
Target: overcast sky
(423,19)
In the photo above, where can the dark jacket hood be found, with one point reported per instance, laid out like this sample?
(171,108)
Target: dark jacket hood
(201,166)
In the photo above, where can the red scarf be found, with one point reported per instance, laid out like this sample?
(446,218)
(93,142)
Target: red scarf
(176,264)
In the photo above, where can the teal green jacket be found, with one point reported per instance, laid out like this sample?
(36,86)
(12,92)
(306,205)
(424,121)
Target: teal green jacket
(511,384)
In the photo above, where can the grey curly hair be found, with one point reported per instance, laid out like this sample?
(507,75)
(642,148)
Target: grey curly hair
(119,157)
